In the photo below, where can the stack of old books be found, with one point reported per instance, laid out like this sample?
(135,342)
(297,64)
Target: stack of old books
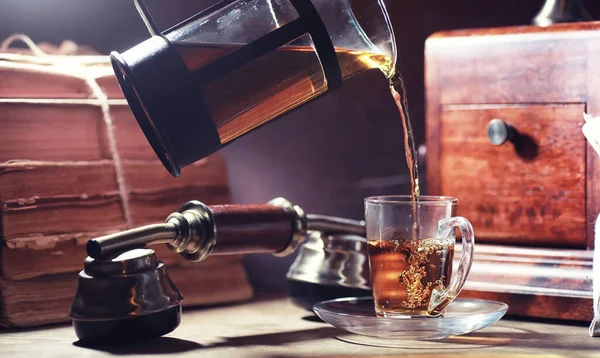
(74,165)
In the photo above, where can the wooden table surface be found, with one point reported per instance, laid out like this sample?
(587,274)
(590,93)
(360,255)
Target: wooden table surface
(277,329)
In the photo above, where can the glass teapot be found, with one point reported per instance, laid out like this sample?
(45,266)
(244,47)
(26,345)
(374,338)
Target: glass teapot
(233,67)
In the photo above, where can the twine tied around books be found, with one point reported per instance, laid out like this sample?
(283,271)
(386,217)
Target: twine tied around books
(72,66)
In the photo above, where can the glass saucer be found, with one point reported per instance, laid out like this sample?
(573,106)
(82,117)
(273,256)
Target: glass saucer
(357,315)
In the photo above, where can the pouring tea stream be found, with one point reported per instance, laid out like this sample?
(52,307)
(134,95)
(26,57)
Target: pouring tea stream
(194,89)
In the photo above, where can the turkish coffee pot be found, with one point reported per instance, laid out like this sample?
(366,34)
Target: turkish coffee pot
(194,89)
(125,293)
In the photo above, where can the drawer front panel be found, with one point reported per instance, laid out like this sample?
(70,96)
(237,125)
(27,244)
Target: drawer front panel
(527,192)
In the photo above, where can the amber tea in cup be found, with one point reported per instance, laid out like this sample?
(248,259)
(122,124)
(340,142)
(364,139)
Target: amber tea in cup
(411,250)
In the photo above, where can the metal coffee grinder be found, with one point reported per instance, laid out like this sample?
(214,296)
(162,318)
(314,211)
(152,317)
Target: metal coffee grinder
(194,89)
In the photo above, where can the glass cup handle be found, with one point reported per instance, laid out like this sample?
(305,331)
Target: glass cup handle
(441,297)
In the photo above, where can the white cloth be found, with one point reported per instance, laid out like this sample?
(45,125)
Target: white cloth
(595,326)
(591,130)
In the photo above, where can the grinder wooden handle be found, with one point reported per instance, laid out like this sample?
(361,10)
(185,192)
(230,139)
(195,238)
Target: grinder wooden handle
(243,229)
(197,231)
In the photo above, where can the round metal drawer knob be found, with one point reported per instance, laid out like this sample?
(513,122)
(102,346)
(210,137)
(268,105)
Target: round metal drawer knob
(499,132)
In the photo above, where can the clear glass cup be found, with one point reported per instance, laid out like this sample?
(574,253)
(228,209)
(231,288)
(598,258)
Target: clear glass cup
(411,261)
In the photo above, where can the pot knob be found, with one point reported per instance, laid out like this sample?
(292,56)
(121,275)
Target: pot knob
(499,132)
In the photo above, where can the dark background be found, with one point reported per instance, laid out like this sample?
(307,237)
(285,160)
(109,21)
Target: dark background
(327,156)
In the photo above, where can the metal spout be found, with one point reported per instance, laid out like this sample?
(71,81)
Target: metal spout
(332,225)
(139,237)
(189,232)
(560,11)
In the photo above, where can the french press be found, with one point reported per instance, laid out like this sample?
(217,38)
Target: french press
(228,70)
(194,89)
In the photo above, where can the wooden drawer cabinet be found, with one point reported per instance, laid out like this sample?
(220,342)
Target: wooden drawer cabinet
(533,200)
(530,192)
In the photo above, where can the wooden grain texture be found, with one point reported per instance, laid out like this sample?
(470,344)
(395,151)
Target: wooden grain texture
(541,80)
(539,306)
(433,124)
(573,30)
(508,80)
(541,283)
(530,192)
(510,69)
(242,229)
